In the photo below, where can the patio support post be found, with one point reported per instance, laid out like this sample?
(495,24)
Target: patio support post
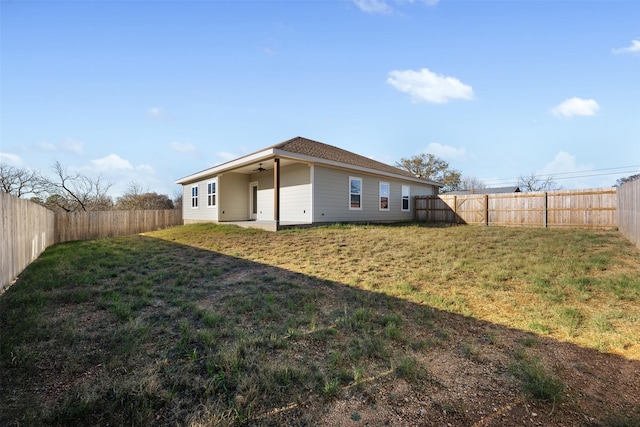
(276,191)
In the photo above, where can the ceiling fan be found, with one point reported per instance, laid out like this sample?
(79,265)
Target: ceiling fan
(260,169)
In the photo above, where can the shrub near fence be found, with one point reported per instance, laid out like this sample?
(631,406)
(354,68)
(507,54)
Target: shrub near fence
(563,208)
(27,230)
(629,211)
(92,225)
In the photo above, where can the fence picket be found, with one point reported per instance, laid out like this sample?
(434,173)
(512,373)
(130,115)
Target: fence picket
(563,208)
(629,211)
(27,229)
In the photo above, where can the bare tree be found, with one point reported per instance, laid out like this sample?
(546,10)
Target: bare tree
(76,192)
(533,182)
(20,182)
(177,200)
(428,166)
(137,198)
(473,184)
(146,201)
(136,188)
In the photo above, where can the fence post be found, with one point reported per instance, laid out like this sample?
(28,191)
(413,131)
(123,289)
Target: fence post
(486,209)
(455,209)
(545,210)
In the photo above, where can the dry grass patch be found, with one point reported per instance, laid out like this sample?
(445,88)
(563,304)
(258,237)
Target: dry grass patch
(574,285)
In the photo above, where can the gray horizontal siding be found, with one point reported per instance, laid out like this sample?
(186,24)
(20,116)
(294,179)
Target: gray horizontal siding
(233,201)
(295,193)
(201,213)
(265,194)
(331,197)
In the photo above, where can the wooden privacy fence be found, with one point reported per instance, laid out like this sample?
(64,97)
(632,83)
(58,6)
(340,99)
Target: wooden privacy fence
(92,225)
(563,208)
(629,211)
(26,231)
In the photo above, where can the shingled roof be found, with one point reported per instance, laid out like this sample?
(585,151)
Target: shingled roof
(308,147)
(299,148)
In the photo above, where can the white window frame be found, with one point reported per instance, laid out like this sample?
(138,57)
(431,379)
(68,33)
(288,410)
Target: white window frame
(380,195)
(406,197)
(194,197)
(351,194)
(212,195)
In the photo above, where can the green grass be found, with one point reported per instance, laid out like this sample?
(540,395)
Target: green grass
(537,380)
(226,324)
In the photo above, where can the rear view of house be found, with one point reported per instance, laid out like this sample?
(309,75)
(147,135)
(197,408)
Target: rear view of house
(302,182)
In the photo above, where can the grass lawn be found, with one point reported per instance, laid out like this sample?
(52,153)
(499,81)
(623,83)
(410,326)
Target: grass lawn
(344,325)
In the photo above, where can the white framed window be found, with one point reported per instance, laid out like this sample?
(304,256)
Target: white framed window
(355,193)
(211,193)
(406,195)
(384,196)
(194,197)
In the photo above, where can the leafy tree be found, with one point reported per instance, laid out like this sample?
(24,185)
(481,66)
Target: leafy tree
(533,182)
(621,181)
(430,167)
(20,181)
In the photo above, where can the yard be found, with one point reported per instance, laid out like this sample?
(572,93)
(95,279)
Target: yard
(344,325)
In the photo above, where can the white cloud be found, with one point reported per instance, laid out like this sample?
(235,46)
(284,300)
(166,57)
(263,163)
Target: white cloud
(427,2)
(145,168)
(563,162)
(633,48)
(183,148)
(11,159)
(373,6)
(71,145)
(156,113)
(575,107)
(446,152)
(47,146)
(565,170)
(427,86)
(269,52)
(383,6)
(111,162)
(64,145)
(225,156)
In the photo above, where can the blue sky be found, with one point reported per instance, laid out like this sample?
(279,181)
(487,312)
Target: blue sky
(151,91)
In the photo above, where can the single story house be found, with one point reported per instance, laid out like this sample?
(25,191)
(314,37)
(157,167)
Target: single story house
(301,182)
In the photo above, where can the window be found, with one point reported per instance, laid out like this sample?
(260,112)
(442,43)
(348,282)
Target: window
(211,193)
(355,193)
(405,198)
(194,196)
(384,196)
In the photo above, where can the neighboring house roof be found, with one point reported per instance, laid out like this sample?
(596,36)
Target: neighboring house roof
(308,150)
(494,190)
